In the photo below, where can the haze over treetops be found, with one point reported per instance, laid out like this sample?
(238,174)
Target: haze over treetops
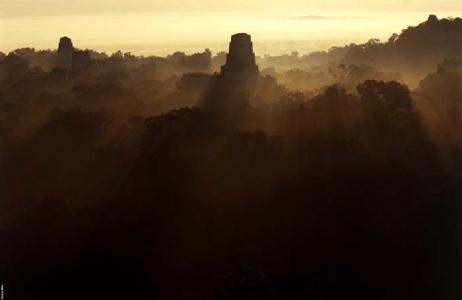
(160,27)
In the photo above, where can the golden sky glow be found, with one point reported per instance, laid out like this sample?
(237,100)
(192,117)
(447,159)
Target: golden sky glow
(39,7)
(155,26)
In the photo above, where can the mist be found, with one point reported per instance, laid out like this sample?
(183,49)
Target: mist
(234,175)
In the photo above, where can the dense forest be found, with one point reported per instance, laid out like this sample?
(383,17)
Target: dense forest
(130,177)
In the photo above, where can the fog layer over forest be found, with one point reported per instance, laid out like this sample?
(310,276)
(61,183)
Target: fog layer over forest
(324,176)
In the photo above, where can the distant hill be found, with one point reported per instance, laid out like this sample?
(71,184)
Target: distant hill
(418,48)
(417,51)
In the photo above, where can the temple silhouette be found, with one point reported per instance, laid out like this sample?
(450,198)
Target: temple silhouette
(240,61)
(72,60)
(65,51)
(234,88)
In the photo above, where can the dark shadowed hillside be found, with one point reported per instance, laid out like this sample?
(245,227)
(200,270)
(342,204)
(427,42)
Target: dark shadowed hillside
(416,50)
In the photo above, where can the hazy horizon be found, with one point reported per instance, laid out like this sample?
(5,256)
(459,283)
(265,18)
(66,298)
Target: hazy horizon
(163,33)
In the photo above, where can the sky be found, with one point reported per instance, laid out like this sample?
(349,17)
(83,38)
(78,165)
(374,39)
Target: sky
(46,7)
(162,26)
